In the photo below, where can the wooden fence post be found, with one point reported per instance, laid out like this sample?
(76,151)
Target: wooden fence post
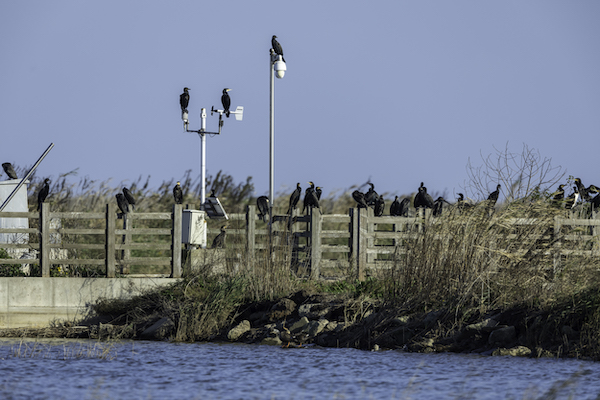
(315,243)
(177,231)
(126,240)
(557,244)
(45,240)
(358,252)
(250,231)
(110,240)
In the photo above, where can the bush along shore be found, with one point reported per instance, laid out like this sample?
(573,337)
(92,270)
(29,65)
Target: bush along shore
(567,328)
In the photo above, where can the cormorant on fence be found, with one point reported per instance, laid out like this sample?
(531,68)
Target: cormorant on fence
(359,197)
(219,240)
(583,191)
(43,193)
(596,202)
(294,197)
(178,193)
(184,99)
(395,208)
(318,191)
(572,199)
(212,193)
(226,101)
(559,195)
(129,197)
(10,171)
(263,207)
(493,197)
(122,203)
(277,47)
(404,206)
(379,206)
(310,198)
(422,198)
(438,206)
(371,195)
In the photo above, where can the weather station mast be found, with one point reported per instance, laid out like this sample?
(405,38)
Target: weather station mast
(194,230)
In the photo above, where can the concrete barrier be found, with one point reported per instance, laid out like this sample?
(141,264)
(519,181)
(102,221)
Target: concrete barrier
(36,302)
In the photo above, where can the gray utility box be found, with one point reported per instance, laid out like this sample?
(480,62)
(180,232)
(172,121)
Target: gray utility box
(194,227)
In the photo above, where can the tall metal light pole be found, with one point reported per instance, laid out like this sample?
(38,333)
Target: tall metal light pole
(277,67)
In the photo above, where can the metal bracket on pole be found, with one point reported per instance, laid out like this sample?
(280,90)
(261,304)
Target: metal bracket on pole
(31,171)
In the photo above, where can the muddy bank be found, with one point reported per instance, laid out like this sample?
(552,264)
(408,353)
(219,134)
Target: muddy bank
(339,321)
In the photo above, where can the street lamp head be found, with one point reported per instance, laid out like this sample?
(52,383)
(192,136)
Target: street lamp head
(280,68)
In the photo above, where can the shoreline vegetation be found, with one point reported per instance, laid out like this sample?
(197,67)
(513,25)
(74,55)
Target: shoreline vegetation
(469,282)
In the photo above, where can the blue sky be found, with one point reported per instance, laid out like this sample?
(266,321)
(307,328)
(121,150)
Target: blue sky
(395,92)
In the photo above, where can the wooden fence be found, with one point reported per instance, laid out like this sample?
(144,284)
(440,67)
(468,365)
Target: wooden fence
(319,246)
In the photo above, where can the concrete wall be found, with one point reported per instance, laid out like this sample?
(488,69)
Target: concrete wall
(35,302)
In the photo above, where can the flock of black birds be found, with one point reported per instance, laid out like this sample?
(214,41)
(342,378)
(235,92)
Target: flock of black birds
(44,190)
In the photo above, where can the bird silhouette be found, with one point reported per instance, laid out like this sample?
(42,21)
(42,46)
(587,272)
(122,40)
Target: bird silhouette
(129,197)
(10,171)
(277,47)
(43,193)
(184,99)
(226,101)
(263,207)
(178,193)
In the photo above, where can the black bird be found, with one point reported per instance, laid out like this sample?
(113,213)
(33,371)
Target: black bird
(318,191)
(404,206)
(359,197)
(395,208)
(129,197)
(422,198)
(438,206)
(310,198)
(178,193)
(122,203)
(212,193)
(596,202)
(184,99)
(493,197)
(10,171)
(379,206)
(294,197)
(371,195)
(219,240)
(226,101)
(288,339)
(277,47)
(583,191)
(559,196)
(263,207)
(572,199)
(43,193)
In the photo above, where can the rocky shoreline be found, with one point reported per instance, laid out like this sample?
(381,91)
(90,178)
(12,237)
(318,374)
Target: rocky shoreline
(335,321)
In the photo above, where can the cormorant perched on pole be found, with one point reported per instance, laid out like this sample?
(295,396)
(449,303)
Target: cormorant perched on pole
(422,198)
(178,193)
(219,240)
(493,197)
(318,191)
(184,99)
(559,196)
(572,199)
(43,193)
(404,206)
(122,203)
(310,198)
(395,208)
(263,207)
(226,101)
(359,197)
(438,206)
(371,195)
(583,191)
(277,47)
(129,197)
(10,171)
(294,197)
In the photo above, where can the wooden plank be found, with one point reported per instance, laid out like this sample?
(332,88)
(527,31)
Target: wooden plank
(77,215)
(79,261)
(35,246)
(19,261)
(15,214)
(45,240)
(143,246)
(251,231)
(147,261)
(150,216)
(176,241)
(110,258)
(78,231)
(315,243)
(144,231)
(19,230)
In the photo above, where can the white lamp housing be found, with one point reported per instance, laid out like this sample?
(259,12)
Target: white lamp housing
(280,68)
(184,116)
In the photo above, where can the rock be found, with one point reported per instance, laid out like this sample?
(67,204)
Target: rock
(271,341)
(316,327)
(282,309)
(432,317)
(503,336)
(483,326)
(519,351)
(399,321)
(300,326)
(313,311)
(160,330)
(239,330)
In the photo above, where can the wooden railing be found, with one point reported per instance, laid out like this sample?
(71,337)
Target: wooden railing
(318,245)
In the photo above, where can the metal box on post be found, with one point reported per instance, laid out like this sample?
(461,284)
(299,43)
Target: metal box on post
(194,227)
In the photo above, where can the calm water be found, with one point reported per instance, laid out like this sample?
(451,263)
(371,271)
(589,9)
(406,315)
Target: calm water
(68,369)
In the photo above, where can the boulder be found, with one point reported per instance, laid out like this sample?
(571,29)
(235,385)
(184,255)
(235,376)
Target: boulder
(282,309)
(300,326)
(486,325)
(518,351)
(239,330)
(271,341)
(503,336)
(313,311)
(316,327)
(160,330)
